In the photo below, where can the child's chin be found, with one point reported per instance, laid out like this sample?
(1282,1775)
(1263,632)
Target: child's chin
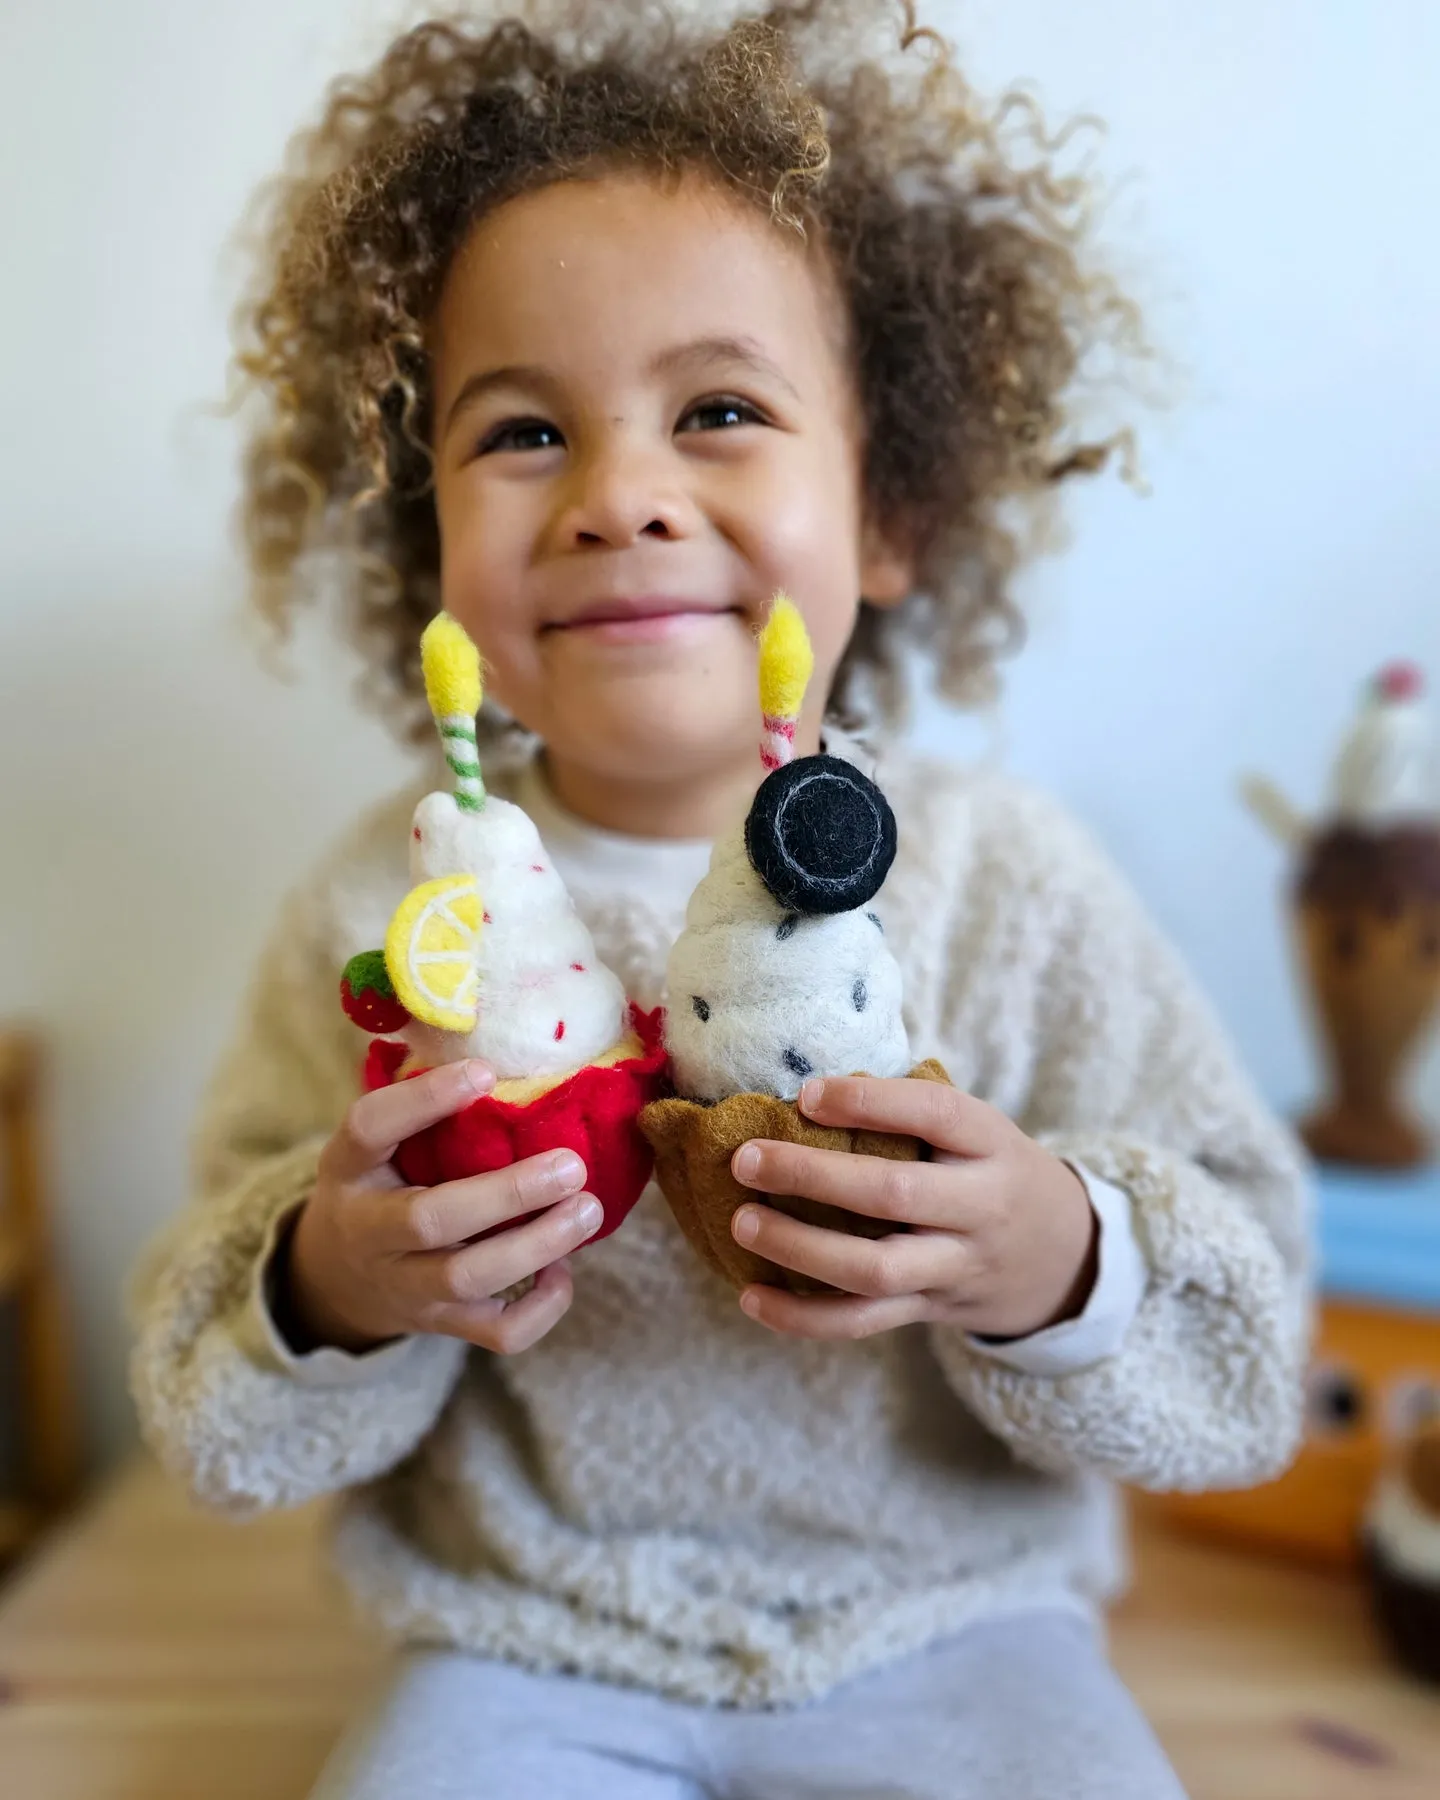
(681,712)
(682,739)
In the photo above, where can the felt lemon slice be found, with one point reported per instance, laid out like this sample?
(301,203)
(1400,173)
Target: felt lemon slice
(430,951)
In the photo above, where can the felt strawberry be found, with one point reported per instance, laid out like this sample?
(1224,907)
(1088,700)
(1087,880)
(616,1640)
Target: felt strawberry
(368,995)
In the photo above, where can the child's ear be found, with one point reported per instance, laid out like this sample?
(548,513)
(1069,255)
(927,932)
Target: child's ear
(887,566)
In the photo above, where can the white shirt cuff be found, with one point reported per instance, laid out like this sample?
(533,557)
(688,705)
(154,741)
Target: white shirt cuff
(1099,1331)
(327,1366)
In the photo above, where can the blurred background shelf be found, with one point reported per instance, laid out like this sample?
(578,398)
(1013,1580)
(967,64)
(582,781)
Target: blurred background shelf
(14,1259)
(1380,1236)
(17,1527)
(37,1394)
(1375,1373)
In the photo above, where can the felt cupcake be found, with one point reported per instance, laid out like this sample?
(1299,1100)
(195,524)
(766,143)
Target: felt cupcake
(486,957)
(782,972)
(1402,1540)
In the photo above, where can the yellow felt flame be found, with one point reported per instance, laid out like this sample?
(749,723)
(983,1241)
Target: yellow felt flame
(451,666)
(786,660)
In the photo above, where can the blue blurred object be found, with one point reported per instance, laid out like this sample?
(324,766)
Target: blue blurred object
(1380,1235)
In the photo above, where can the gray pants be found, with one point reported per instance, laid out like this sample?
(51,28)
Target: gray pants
(1018,1709)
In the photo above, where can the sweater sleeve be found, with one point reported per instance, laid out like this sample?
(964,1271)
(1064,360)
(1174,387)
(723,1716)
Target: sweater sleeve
(246,1423)
(1129,1075)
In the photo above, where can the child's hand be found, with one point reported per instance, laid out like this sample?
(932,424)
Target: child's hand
(1003,1239)
(372,1259)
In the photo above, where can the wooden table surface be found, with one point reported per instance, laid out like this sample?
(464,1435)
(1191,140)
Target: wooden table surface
(154,1653)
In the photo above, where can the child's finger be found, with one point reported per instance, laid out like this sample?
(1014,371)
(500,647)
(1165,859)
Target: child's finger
(418,1219)
(907,1193)
(509,1329)
(877,1268)
(932,1110)
(841,1319)
(379,1122)
(440,1280)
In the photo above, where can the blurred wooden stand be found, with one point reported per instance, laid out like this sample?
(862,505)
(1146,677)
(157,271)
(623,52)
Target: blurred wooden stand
(42,1391)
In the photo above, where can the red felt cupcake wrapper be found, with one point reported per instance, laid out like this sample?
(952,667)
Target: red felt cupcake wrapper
(592,1112)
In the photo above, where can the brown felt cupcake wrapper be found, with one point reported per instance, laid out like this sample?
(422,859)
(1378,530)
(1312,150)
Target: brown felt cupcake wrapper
(693,1145)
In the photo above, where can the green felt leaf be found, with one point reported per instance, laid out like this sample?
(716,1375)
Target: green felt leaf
(366,973)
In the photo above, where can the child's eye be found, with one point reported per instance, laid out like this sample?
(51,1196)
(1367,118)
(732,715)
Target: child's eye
(720,413)
(520,434)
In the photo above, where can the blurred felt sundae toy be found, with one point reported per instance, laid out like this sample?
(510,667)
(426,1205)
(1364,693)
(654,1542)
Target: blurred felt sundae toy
(1402,1550)
(486,957)
(1367,901)
(782,972)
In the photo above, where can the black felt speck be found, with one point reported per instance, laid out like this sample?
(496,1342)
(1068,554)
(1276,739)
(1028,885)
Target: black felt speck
(820,835)
(877,922)
(797,1064)
(859,996)
(700,1008)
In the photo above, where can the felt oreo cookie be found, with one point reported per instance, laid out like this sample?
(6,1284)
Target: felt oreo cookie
(820,835)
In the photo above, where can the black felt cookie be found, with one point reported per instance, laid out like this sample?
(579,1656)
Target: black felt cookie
(820,835)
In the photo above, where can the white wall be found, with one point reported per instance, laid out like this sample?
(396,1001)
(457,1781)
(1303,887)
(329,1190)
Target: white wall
(1285,177)
(157,790)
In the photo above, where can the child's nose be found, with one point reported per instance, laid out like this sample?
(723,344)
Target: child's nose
(620,494)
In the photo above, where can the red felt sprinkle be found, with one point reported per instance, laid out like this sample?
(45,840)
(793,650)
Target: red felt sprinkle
(539,868)
(559,1031)
(1401,681)
(579,968)
(488,919)
(416,834)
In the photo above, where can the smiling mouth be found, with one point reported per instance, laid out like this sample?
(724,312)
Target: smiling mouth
(638,614)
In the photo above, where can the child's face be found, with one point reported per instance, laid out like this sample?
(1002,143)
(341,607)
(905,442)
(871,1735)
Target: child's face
(644,426)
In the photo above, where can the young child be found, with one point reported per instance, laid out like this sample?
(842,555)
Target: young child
(598,331)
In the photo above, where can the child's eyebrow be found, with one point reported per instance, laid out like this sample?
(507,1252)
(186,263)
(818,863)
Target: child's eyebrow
(476,386)
(720,349)
(695,353)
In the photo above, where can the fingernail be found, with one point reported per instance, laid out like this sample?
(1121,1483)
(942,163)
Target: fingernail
(590,1217)
(811,1094)
(746,1225)
(749,1305)
(478,1076)
(747,1163)
(566,1172)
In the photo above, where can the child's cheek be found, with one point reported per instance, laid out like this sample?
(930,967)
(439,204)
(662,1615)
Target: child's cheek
(487,528)
(483,588)
(805,538)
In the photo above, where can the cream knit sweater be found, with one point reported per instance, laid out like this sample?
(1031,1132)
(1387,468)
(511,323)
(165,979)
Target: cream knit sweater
(660,1492)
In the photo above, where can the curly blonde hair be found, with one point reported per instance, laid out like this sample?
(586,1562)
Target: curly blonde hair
(955,240)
